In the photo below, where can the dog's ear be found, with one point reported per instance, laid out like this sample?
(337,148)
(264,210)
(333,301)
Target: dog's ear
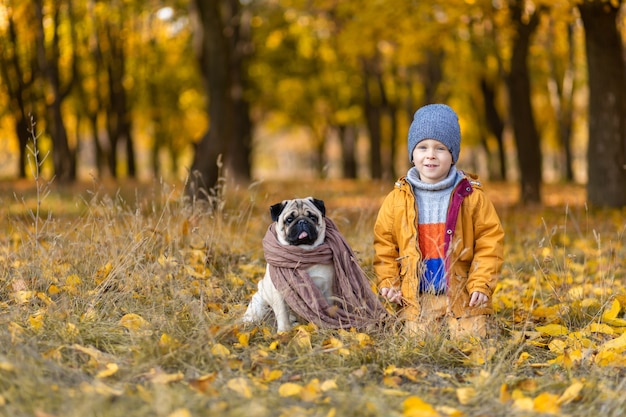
(320,205)
(276,209)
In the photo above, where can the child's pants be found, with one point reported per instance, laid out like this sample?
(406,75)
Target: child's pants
(434,316)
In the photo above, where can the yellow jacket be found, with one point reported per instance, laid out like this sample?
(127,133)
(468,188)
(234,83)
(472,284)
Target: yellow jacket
(474,247)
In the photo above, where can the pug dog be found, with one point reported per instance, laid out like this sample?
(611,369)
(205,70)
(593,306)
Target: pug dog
(299,222)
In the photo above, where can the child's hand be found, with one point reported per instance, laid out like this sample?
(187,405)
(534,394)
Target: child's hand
(393,295)
(477,299)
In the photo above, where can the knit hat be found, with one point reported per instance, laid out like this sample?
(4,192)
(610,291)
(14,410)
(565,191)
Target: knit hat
(439,122)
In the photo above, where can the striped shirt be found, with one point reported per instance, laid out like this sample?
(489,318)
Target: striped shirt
(432,207)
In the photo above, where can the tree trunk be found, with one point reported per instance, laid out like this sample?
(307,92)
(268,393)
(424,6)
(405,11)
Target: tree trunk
(19,83)
(240,150)
(119,119)
(375,107)
(526,135)
(221,63)
(606,153)
(495,125)
(347,138)
(63,158)
(372,118)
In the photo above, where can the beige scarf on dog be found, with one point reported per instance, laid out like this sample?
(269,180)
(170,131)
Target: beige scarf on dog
(355,304)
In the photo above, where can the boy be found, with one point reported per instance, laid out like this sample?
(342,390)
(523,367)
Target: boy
(437,238)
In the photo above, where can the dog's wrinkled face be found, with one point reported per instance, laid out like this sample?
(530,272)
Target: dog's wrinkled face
(300,222)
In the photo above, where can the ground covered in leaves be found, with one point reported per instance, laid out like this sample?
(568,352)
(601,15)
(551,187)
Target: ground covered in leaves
(125,302)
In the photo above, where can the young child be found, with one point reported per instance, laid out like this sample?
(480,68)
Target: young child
(437,238)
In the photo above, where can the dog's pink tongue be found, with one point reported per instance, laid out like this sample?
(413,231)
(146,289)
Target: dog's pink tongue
(303,235)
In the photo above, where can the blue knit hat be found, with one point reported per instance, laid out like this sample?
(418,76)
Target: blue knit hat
(439,122)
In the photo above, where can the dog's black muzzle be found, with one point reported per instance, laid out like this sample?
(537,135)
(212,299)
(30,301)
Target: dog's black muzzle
(302,232)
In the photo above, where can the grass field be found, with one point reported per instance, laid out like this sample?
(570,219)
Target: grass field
(125,302)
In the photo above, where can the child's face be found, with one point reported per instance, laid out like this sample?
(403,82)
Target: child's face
(433,160)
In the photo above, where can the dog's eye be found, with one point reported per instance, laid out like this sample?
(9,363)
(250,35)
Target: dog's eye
(313,217)
(289,219)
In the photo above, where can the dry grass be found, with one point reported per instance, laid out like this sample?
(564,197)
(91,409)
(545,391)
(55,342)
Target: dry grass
(126,302)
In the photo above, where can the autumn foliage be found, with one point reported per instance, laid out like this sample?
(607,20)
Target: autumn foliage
(127,302)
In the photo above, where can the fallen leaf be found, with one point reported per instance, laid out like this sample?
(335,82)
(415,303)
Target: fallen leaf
(111,368)
(416,407)
(220,350)
(134,323)
(240,386)
(181,412)
(546,403)
(611,312)
(571,393)
(289,389)
(465,395)
(204,383)
(617,345)
(553,329)
(157,376)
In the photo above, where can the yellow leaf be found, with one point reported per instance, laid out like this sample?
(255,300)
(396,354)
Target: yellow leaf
(53,289)
(103,273)
(204,384)
(22,297)
(94,353)
(557,345)
(70,331)
(546,403)
(523,357)
(364,339)
(73,280)
(100,388)
(311,391)
(16,331)
(43,297)
(332,343)
(268,375)
(244,339)
(168,343)
(289,389)
(449,411)
(611,312)
(181,412)
(220,350)
(133,322)
(302,339)
(553,329)
(111,368)
(617,345)
(600,328)
(157,376)
(6,366)
(415,407)
(609,358)
(36,321)
(523,404)
(505,394)
(392,381)
(571,393)
(390,370)
(240,386)
(465,395)
(616,322)
(328,385)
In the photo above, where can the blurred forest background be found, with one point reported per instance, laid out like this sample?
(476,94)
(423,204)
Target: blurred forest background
(258,89)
